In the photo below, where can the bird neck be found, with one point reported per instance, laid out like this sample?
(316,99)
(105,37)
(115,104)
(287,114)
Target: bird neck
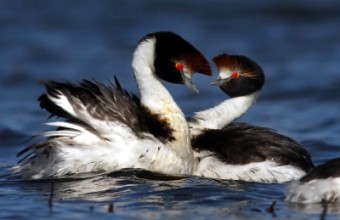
(222,114)
(156,98)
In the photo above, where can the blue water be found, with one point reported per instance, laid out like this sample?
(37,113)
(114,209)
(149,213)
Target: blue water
(296,42)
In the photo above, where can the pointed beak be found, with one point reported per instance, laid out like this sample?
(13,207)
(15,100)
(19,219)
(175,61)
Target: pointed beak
(187,80)
(219,81)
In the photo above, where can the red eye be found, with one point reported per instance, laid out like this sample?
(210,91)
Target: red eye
(179,66)
(235,75)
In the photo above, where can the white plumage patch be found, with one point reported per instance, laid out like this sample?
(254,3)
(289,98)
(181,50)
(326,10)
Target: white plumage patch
(266,171)
(314,191)
(80,151)
(225,73)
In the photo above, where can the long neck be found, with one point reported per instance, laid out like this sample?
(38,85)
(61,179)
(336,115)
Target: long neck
(156,98)
(222,114)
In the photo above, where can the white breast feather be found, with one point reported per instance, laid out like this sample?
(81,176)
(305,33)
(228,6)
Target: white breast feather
(266,171)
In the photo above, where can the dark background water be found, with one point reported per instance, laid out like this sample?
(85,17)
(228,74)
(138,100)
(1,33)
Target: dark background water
(296,42)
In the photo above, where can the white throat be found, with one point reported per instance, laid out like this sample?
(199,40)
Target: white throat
(156,98)
(222,114)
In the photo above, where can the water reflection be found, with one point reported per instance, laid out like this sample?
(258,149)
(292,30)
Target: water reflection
(154,194)
(316,208)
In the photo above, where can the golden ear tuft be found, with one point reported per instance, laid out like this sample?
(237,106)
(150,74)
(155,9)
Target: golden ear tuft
(197,63)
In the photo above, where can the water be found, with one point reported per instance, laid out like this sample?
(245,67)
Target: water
(296,43)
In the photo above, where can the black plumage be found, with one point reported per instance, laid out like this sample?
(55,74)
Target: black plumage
(241,143)
(329,169)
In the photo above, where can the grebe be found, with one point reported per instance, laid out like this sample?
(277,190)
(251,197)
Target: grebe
(322,184)
(106,128)
(241,151)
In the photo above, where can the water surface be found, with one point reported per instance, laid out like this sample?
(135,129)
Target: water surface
(296,43)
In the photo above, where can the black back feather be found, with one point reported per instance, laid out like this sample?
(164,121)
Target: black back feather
(241,143)
(329,169)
